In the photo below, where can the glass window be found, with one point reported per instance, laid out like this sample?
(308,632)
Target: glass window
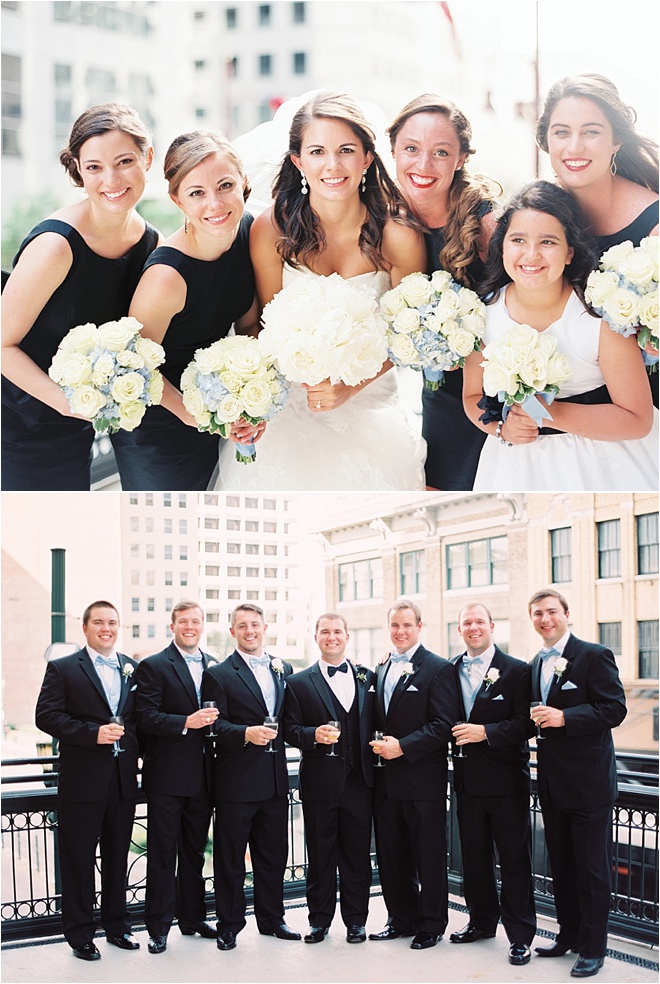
(150,551)
(183,500)
(252,548)
(183,553)
(251,503)
(135,524)
(135,604)
(412,572)
(647,633)
(647,544)
(298,11)
(233,524)
(213,523)
(167,526)
(560,550)
(299,63)
(270,503)
(149,524)
(151,577)
(251,526)
(231,500)
(252,572)
(270,549)
(367,646)
(135,550)
(168,578)
(478,563)
(234,595)
(167,551)
(135,631)
(167,499)
(151,604)
(233,572)
(210,500)
(252,595)
(271,528)
(183,527)
(135,577)
(609,634)
(265,68)
(212,571)
(148,498)
(212,593)
(264,14)
(271,595)
(212,546)
(270,571)
(151,631)
(609,548)
(183,579)
(133,499)
(234,548)
(361,580)
(231,15)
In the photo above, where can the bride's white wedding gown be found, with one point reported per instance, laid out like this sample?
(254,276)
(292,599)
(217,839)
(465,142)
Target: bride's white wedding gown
(368,444)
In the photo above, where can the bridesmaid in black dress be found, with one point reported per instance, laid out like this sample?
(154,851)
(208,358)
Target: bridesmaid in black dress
(430,141)
(598,155)
(193,288)
(80,265)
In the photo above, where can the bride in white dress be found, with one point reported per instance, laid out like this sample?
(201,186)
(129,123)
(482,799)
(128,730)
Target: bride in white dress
(335,210)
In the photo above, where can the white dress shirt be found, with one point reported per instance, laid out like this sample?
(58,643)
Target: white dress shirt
(341,684)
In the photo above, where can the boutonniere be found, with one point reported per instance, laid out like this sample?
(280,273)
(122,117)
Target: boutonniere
(491,677)
(277,665)
(361,674)
(408,670)
(127,670)
(560,666)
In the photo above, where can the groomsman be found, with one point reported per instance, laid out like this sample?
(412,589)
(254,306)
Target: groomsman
(250,783)
(416,706)
(583,700)
(336,787)
(492,786)
(174,776)
(97,778)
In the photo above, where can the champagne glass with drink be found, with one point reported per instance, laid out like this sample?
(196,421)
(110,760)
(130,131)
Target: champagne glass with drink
(117,719)
(272,723)
(334,738)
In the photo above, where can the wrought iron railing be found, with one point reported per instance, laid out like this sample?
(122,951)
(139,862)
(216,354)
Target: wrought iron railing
(30,874)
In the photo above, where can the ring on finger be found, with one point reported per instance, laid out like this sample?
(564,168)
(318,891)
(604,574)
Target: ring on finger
(318,404)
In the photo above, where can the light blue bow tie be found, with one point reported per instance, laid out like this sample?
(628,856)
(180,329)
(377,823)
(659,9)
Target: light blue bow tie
(545,654)
(399,658)
(259,661)
(111,661)
(196,658)
(472,660)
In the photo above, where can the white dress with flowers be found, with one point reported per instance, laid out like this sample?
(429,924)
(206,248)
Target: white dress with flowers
(564,462)
(370,443)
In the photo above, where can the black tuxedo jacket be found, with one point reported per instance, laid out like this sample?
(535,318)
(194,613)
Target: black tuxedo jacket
(244,772)
(308,704)
(576,763)
(498,766)
(173,761)
(422,712)
(71,707)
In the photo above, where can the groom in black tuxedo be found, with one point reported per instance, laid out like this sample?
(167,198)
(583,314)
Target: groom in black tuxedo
(176,776)
(336,790)
(583,700)
(250,785)
(492,786)
(97,778)
(416,706)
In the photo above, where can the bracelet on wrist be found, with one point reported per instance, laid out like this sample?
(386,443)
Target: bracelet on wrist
(498,433)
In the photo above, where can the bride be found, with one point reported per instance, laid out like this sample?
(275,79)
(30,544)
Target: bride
(335,210)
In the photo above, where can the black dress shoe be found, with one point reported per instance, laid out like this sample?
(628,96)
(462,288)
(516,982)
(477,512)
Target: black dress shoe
(356,934)
(204,929)
(519,954)
(424,940)
(556,949)
(157,944)
(470,934)
(316,934)
(125,942)
(587,966)
(283,932)
(226,940)
(87,951)
(389,933)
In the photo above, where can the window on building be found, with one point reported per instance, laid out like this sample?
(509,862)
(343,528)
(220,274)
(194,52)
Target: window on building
(647,635)
(183,553)
(609,548)
(478,563)
(135,631)
(231,500)
(252,526)
(167,551)
(167,526)
(135,577)
(151,631)
(151,577)
(271,595)
(231,17)
(210,500)
(270,528)
(167,499)
(233,524)
(234,548)
(168,578)
(361,579)
(133,499)
(212,546)
(609,634)
(252,548)
(149,524)
(200,64)
(298,12)
(150,551)
(270,549)
(560,551)
(135,604)
(200,112)
(211,570)
(299,63)
(412,572)
(264,14)
(234,595)
(251,503)
(199,15)
(169,605)
(270,503)
(183,500)
(151,604)
(233,572)
(252,595)
(183,527)
(134,524)
(212,593)
(647,543)
(265,64)
(213,523)
(252,572)
(183,579)
(270,571)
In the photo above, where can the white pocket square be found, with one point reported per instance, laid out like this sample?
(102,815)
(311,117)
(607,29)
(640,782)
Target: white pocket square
(372,689)
(499,697)
(133,688)
(412,688)
(569,686)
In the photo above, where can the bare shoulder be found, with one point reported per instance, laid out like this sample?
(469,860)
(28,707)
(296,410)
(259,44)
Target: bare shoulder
(264,229)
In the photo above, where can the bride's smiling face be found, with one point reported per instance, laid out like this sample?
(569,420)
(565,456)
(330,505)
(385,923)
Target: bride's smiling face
(332,159)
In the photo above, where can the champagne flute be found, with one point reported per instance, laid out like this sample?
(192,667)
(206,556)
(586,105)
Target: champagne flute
(538,703)
(117,719)
(460,754)
(272,723)
(378,736)
(210,731)
(334,724)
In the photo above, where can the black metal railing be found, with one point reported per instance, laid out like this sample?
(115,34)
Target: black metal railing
(30,875)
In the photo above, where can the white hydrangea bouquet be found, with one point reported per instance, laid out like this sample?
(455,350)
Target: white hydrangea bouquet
(109,373)
(433,324)
(230,380)
(324,328)
(624,290)
(520,365)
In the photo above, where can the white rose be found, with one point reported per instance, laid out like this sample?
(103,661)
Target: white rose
(475,321)
(127,388)
(210,359)
(188,376)
(130,360)
(600,286)
(406,321)
(533,371)
(650,247)
(256,397)
(242,355)
(497,379)
(193,401)
(115,335)
(104,367)
(440,280)
(228,410)
(448,306)
(152,353)
(469,301)
(130,415)
(82,338)
(86,401)
(70,369)
(416,289)
(648,311)
(461,342)
(392,303)
(231,380)
(302,359)
(558,369)
(520,336)
(638,268)
(615,255)
(622,307)
(404,351)
(155,388)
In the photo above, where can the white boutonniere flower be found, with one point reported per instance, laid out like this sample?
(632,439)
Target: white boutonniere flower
(361,674)
(491,677)
(560,666)
(408,669)
(277,665)
(127,670)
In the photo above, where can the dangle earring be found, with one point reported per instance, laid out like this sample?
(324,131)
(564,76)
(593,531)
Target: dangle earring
(363,186)
(185,224)
(613,164)
(303,184)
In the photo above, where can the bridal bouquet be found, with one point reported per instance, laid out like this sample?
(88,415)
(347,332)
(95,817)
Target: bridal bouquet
(108,373)
(433,324)
(624,290)
(518,366)
(230,380)
(324,328)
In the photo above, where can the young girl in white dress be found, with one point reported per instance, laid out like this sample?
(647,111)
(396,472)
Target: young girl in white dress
(335,210)
(603,434)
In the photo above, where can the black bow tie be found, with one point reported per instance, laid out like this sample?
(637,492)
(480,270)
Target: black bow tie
(342,668)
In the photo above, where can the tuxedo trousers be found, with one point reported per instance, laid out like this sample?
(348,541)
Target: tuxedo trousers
(486,822)
(579,846)
(338,837)
(107,823)
(262,826)
(411,843)
(177,834)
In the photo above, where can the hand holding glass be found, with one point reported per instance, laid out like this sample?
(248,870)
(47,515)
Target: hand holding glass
(537,703)
(210,731)
(334,738)
(460,754)
(272,723)
(117,719)
(378,736)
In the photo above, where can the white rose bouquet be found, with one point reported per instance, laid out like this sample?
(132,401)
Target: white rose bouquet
(433,324)
(624,291)
(108,373)
(324,328)
(520,365)
(232,379)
